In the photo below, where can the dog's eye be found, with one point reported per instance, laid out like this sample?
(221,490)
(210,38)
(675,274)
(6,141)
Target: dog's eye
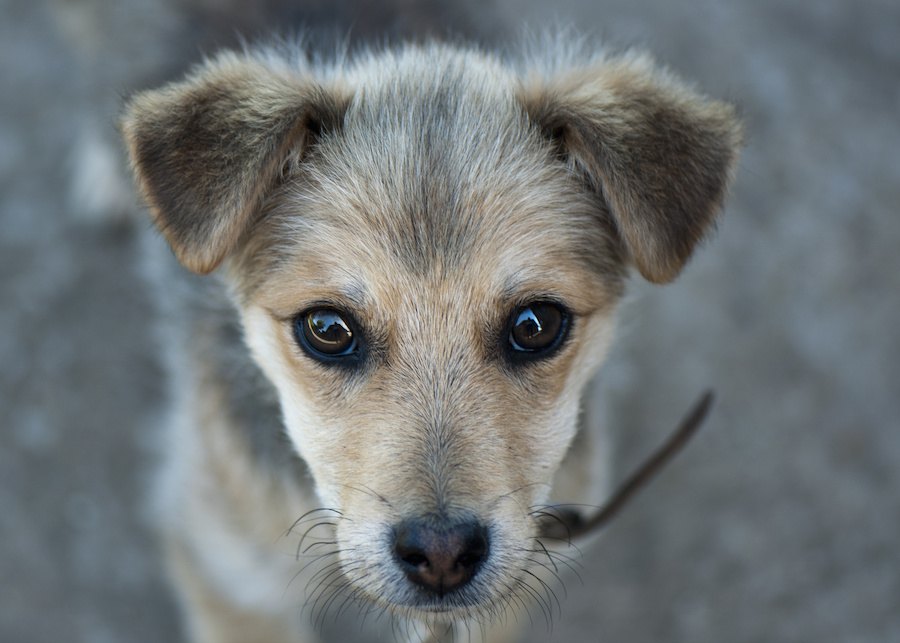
(324,332)
(538,327)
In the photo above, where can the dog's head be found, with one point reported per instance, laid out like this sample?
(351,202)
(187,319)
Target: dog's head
(426,248)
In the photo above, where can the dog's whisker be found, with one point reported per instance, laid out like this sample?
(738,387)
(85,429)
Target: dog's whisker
(300,573)
(302,553)
(557,554)
(313,559)
(308,515)
(334,578)
(520,488)
(482,627)
(552,572)
(513,590)
(340,588)
(551,595)
(549,557)
(509,496)
(365,489)
(318,575)
(555,561)
(514,607)
(352,598)
(306,533)
(538,599)
(323,590)
(319,616)
(558,519)
(543,602)
(366,610)
(395,629)
(565,505)
(319,544)
(571,562)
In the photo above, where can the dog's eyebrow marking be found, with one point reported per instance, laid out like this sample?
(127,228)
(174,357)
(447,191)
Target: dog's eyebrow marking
(524,286)
(354,293)
(353,296)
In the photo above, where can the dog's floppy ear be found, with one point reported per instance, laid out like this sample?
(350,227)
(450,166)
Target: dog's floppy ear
(661,155)
(206,150)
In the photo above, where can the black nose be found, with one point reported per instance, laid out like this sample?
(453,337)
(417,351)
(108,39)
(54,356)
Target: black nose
(438,557)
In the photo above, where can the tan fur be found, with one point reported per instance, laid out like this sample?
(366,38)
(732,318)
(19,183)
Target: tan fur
(428,193)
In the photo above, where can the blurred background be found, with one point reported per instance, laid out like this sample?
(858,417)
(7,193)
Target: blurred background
(781,522)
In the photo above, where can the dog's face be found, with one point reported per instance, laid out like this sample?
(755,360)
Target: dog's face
(426,250)
(430,336)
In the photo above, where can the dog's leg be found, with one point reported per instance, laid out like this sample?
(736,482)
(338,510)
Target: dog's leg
(212,618)
(224,517)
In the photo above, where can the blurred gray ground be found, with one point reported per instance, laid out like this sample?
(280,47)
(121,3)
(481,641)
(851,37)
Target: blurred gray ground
(780,523)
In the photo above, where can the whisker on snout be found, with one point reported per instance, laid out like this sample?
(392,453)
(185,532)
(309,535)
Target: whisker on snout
(309,516)
(364,489)
(557,558)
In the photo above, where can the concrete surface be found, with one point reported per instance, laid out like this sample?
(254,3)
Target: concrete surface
(782,521)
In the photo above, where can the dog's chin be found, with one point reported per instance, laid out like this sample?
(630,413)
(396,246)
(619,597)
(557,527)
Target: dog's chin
(438,611)
(458,606)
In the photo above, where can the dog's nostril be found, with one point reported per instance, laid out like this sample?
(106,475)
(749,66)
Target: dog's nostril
(469,559)
(413,559)
(440,558)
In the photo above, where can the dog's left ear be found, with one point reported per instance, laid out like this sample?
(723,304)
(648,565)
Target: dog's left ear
(660,155)
(206,150)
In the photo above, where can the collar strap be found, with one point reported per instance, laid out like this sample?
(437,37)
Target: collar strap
(564,522)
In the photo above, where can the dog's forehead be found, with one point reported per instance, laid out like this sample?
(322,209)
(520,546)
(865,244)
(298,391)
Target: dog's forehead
(435,158)
(437,171)
(438,159)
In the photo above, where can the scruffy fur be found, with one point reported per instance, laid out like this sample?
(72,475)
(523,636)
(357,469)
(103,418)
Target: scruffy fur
(428,192)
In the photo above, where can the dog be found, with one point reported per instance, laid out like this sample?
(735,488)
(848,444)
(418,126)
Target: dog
(418,255)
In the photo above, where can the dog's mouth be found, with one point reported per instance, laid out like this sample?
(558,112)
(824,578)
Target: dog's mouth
(443,569)
(456,607)
(400,600)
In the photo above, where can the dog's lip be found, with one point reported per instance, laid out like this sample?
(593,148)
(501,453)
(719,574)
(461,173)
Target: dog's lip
(437,609)
(443,613)
(452,605)
(443,606)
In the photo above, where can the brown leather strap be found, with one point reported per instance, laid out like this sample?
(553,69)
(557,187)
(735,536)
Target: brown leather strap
(567,523)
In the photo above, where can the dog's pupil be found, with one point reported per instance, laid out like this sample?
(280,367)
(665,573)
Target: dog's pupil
(536,326)
(529,326)
(328,331)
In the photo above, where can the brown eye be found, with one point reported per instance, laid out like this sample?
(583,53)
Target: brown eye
(325,333)
(537,327)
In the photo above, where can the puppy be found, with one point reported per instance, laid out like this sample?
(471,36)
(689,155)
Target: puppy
(418,256)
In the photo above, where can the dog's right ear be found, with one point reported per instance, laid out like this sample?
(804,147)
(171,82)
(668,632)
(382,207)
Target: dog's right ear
(660,154)
(206,150)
